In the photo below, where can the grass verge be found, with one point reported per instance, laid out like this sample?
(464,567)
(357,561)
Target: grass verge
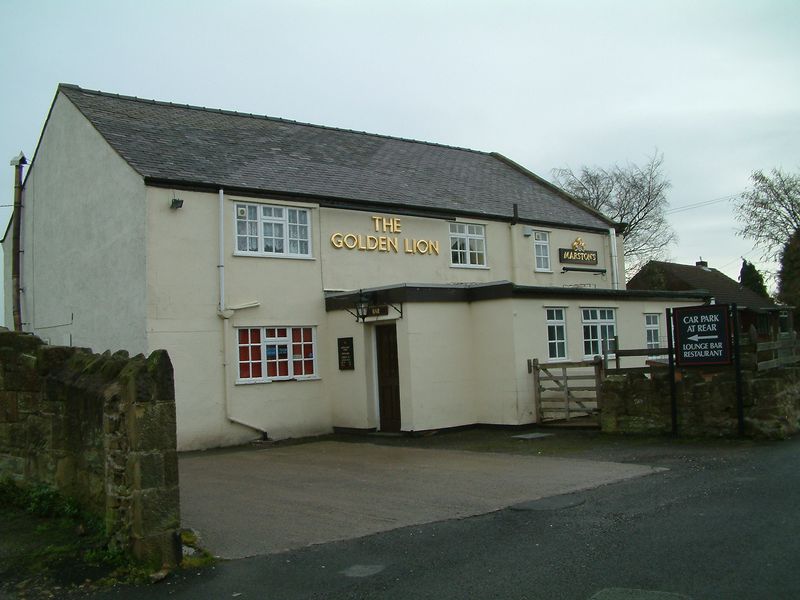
(50,548)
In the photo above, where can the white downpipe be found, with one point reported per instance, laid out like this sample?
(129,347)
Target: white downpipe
(612,240)
(221,263)
(225,314)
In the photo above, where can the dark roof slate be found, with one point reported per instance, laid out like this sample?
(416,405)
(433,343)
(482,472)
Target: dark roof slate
(674,276)
(176,143)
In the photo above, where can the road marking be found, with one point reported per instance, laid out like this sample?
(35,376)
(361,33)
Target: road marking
(362,570)
(633,594)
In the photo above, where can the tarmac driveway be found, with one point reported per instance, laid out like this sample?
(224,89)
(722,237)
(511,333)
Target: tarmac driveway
(261,501)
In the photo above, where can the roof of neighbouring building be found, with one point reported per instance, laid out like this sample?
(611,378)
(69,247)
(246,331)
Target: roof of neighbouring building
(658,275)
(178,144)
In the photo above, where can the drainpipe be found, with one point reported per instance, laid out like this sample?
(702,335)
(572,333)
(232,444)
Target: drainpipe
(221,262)
(226,313)
(612,239)
(16,248)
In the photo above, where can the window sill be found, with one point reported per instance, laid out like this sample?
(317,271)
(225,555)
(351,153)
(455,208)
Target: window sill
(290,379)
(262,255)
(543,271)
(479,267)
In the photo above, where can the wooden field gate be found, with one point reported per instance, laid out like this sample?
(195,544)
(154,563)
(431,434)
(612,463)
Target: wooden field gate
(566,390)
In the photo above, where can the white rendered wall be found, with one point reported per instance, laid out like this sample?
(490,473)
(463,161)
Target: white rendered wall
(83,270)
(8,317)
(352,393)
(183,294)
(509,254)
(493,344)
(440,366)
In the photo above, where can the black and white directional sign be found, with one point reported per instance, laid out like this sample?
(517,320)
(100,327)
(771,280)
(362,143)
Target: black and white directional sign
(702,335)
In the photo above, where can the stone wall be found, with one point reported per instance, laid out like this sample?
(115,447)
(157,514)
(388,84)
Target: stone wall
(99,428)
(706,402)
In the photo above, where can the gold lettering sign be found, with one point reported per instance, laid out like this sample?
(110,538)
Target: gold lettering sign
(383,242)
(578,254)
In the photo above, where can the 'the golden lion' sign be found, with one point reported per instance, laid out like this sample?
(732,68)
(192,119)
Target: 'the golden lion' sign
(578,254)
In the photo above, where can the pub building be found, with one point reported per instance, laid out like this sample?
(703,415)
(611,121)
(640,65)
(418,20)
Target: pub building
(307,278)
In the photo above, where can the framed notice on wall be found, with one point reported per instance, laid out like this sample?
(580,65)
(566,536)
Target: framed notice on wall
(345,346)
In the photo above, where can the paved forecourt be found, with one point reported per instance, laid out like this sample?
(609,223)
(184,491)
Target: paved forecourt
(259,501)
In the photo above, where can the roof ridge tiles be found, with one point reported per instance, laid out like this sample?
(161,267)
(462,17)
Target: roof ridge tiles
(223,111)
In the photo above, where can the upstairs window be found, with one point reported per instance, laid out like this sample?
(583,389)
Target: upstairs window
(467,245)
(265,230)
(541,250)
(599,325)
(276,353)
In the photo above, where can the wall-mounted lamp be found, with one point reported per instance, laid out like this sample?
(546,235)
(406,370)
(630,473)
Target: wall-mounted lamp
(362,307)
(176,203)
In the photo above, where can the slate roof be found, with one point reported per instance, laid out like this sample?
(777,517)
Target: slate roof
(173,144)
(677,277)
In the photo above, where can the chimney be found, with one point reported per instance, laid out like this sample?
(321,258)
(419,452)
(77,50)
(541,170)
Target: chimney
(18,162)
(701,263)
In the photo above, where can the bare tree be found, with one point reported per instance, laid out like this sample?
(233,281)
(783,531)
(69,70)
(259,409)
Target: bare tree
(634,195)
(769,212)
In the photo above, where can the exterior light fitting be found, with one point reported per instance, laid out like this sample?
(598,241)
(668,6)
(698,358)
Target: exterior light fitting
(362,306)
(176,203)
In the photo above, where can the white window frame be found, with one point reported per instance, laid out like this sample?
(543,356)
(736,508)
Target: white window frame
(252,222)
(473,238)
(556,322)
(652,325)
(541,251)
(598,323)
(277,341)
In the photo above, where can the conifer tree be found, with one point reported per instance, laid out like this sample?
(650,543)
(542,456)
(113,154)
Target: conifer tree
(750,278)
(789,275)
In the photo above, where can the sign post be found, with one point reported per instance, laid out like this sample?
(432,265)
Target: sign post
(738,366)
(673,401)
(703,338)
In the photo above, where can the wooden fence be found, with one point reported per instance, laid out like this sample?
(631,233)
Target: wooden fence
(775,354)
(566,390)
(766,355)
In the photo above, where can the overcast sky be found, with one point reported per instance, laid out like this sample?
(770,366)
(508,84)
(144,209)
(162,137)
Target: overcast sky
(715,86)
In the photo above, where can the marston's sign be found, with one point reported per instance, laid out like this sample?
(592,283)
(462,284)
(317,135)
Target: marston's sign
(702,335)
(578,254)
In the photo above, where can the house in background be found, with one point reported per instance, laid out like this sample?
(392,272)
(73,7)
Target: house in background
(769,319)
(305,278)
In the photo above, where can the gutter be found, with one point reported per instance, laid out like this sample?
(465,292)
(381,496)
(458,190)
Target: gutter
(369,205)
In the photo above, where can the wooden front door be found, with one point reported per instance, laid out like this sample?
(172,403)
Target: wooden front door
(388,377)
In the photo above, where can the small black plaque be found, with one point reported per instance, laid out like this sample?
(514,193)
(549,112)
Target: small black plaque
(345,346)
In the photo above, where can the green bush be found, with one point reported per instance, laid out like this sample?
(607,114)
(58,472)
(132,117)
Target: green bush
(38,500)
